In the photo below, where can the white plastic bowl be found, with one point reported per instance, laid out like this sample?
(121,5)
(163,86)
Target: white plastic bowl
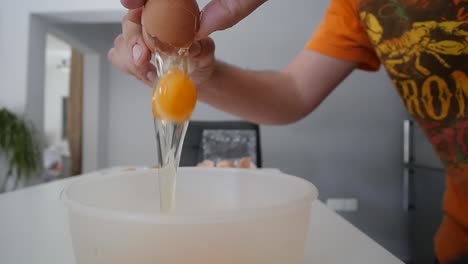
(222,216)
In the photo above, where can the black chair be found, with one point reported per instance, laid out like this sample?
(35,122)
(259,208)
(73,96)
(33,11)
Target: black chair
(192,150)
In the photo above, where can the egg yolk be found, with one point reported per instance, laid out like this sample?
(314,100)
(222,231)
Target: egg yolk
(174,97)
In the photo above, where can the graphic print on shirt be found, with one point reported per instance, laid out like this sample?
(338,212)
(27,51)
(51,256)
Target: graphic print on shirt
(423,44)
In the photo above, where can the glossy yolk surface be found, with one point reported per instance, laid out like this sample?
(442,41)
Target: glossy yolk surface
(174,97)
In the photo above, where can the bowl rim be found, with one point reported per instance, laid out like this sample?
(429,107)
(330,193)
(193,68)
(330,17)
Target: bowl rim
(305,200)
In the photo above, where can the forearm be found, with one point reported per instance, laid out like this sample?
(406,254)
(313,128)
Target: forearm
(266,97)
(270,97)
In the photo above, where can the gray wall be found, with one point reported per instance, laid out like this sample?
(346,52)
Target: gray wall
(349,147)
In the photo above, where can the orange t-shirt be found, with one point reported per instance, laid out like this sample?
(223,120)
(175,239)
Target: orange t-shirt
(423,44)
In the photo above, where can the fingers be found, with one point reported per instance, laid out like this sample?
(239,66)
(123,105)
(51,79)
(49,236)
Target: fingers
(223,14)
(132,4)
(134,15)
(130,54)
(132,34)
(121,58)
(117,57)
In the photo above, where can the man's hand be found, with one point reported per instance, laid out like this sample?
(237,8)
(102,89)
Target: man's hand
(131,55)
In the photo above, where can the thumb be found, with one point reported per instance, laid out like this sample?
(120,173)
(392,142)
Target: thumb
(223,14)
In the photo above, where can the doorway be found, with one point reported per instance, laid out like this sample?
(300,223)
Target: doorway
(63,109)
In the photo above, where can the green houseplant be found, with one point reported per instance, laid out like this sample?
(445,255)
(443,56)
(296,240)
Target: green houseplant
(20,147)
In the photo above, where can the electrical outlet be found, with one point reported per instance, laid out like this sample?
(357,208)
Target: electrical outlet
(342,204)
(335,204)
(350,205)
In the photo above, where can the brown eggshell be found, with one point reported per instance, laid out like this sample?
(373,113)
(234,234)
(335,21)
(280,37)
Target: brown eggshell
(246,163)
(170,23)
(206,164)
(154,44)
(225,164)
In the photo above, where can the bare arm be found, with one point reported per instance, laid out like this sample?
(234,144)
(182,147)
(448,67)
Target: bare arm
(265,97)
(270,97)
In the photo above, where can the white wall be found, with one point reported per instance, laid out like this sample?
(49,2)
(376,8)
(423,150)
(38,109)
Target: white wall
(349,147)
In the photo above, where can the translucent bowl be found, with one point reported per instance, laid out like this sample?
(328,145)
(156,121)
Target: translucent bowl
(222,216)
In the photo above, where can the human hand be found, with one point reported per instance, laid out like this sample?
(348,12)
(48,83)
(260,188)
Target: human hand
(132,56)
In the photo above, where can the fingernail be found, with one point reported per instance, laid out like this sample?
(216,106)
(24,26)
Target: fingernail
(195,49)
(137,50)
(151,76)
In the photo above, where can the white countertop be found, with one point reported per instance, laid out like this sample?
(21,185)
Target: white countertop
(34,229)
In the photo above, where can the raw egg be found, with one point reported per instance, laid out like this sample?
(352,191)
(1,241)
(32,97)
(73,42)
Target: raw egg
(174,97)
(169,24)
